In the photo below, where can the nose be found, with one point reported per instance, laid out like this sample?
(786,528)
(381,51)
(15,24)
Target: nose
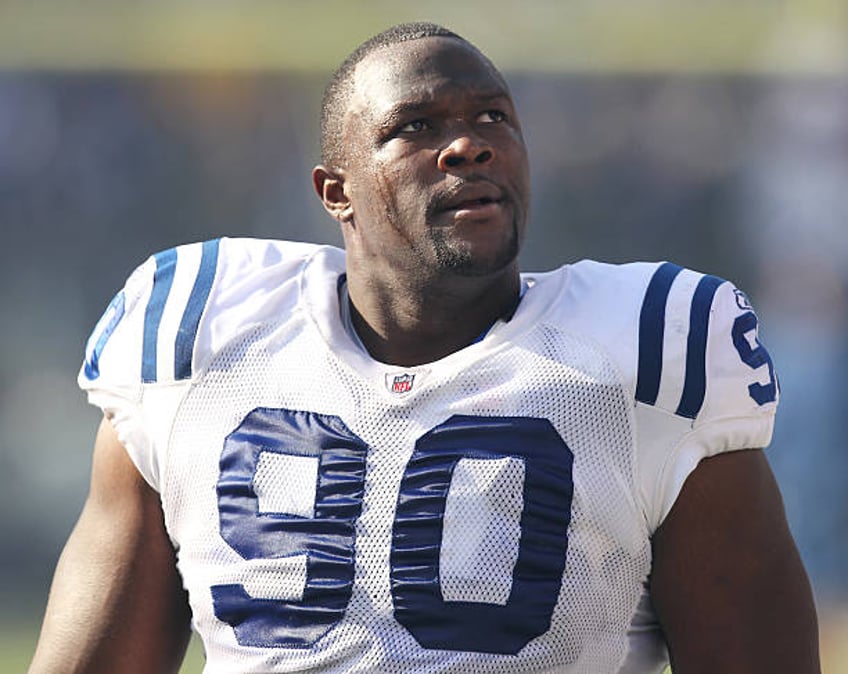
(464,151)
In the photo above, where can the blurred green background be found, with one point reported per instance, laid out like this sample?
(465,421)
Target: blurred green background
(710,132)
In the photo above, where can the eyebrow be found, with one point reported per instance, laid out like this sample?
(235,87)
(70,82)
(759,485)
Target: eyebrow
(400,111)
(405,109)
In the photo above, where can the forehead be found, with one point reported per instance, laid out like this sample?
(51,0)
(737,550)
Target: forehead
(421,71)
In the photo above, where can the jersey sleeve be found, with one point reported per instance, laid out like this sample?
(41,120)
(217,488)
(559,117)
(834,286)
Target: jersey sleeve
(141,354)
(706,384)
(176,312)
(111,371)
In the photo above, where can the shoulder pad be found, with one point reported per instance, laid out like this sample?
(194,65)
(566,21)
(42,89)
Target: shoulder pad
(699,356)
(147,333)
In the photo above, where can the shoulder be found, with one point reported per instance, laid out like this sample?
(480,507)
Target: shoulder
(600,303)
(686,346)
(176,311)
(593,297)
(702,382)
(166,316)
(678,336)
(699,356)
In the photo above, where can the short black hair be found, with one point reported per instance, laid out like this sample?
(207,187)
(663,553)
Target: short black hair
(340,87)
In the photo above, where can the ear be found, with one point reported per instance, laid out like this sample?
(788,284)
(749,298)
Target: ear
(329,184)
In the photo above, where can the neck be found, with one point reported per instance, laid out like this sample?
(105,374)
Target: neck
(411,326)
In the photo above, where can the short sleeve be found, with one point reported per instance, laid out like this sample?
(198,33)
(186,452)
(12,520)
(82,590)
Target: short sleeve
(725,386)
(111,373)
(177,310)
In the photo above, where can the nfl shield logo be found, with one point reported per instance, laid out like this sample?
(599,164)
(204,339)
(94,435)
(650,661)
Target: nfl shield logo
(402,383)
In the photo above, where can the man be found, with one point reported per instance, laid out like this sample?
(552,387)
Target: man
(410,458)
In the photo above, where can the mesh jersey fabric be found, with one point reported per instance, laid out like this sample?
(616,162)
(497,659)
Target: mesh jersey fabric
(488,512)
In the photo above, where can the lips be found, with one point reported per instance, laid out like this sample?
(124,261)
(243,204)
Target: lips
(474,197)
(472,204)
(473,194)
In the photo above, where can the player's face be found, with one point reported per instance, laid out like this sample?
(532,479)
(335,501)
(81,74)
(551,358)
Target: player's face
(437,170)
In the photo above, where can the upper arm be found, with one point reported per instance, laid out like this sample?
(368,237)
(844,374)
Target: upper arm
(116,603)
(727,582)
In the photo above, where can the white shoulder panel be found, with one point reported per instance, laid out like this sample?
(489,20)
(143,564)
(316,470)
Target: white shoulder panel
(602,302)
(258,280)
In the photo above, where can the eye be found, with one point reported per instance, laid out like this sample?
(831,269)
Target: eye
(415,126)
(492,117)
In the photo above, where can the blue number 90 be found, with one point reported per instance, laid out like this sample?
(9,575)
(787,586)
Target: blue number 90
(326,534)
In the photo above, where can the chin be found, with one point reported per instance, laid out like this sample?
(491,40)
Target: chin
(467,259)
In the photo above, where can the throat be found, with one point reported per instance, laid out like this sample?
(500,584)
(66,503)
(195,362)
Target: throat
(413,343)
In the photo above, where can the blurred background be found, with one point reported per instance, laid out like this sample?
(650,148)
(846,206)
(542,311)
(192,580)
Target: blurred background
(710,132)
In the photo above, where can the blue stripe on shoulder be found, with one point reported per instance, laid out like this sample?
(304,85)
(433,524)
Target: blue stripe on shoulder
(652,331)
(163,278)
(184,345)
(695,383)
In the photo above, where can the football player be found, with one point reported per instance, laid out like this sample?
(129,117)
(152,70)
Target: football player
(409,457)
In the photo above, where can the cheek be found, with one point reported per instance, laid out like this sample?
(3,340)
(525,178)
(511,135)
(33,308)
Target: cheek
(400,195)
(384,200)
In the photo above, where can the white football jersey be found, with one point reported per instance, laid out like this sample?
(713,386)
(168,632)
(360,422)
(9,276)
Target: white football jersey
(490,512)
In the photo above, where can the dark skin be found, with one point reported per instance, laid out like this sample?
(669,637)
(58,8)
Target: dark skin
(116,604)
(432,201)
(728,583)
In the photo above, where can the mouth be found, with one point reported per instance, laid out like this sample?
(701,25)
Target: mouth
(480,198)
(473,204)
